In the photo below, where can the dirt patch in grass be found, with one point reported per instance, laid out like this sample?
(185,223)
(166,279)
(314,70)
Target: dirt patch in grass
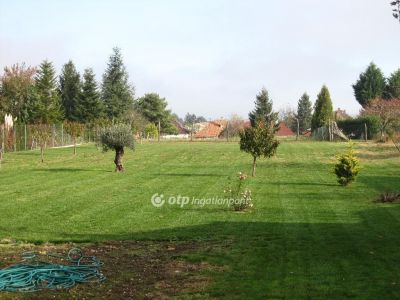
(134,270)
(388,197)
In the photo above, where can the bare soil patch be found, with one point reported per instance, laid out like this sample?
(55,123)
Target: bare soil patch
(134,270)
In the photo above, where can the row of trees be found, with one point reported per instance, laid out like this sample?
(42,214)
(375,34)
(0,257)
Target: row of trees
(371,90)
(308,116)
(380,99)
(373,84)
(38,95)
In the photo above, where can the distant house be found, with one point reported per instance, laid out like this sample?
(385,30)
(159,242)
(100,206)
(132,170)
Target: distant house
(284,130)
(212,129)
(180,128)
(340,114)
(307,133)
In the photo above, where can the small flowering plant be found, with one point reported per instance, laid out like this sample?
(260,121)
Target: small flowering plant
(239,196)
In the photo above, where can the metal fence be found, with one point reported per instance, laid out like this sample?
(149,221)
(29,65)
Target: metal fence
(19,137)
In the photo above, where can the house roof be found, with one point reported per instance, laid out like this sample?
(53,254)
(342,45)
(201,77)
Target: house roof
(284,130)
(212,130)
(181,129)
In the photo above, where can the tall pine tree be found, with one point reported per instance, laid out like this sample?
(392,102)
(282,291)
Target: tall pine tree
(69,91)
(116,91)
(45,106)
(393,86)
(323,110)
(370,85)
(304,112)
(90,105)
(263,110)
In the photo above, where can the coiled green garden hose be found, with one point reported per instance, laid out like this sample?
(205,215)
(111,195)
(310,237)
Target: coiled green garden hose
(32,274)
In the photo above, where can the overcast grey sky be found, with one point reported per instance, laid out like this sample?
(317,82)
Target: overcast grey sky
(211,57)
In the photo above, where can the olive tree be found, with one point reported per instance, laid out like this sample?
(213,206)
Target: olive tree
(117,137)
(259,141)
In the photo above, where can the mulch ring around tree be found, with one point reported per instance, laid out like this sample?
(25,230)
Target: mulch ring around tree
(133,270)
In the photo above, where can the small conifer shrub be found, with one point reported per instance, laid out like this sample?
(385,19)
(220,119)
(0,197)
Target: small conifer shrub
(347,167)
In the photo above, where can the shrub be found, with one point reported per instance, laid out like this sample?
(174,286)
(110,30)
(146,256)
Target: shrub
(151,131)
(355,128)
(259,141)
(117,137)
(239,196)
(347,167)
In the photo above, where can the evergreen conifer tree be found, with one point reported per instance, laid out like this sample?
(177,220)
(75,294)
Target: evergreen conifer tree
(393,86)
(323,110)
(304,112)
(45,106)
(116,91)
(263,110)
(90,105)
(370,85)
(69,91)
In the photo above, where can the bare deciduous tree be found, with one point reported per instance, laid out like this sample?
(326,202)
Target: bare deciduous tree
(387,110)
(75,130)
(41,134)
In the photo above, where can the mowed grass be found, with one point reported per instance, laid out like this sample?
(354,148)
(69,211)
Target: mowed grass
(306,237)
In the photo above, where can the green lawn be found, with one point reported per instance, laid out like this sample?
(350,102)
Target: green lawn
(306,237)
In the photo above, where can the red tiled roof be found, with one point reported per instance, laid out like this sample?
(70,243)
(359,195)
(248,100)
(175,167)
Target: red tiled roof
(284,130)
(212,130)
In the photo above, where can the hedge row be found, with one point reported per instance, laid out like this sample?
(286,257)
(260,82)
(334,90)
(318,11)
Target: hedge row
(355,128)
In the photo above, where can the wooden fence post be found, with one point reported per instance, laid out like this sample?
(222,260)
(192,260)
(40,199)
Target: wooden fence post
(366,132)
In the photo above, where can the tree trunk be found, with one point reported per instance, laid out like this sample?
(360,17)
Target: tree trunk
(41,154)
(74,146)
(254,167)
(119,152)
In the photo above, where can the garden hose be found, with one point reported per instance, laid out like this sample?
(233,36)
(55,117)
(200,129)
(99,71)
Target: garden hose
(33,274)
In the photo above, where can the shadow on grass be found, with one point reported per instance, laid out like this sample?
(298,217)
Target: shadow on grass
(301,183)
(189,175)
(59,170)
(381,183)
(267,260)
